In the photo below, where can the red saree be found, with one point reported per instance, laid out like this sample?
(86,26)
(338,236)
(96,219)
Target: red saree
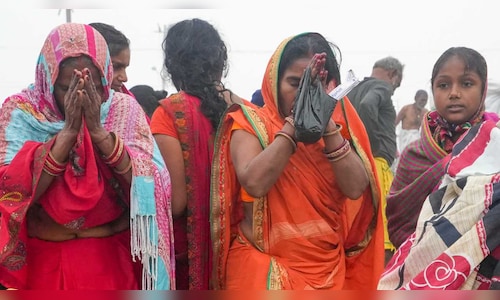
(88,193)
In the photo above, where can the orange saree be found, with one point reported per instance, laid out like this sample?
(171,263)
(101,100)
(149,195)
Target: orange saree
(307,234)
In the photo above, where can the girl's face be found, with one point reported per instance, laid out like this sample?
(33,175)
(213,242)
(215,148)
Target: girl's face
(457,92)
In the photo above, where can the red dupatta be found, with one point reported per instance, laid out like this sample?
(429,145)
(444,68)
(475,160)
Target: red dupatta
(196,138)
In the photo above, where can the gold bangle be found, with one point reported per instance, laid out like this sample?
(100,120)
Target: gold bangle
(52,167)
(127,168)
(115,148)
(116,154)
(290,120)
(340,151)
(335,131)
(61,164)
(288,137)
(334,159)
(50,172)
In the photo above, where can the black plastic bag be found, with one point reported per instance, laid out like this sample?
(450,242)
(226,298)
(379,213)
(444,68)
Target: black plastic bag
(312,110)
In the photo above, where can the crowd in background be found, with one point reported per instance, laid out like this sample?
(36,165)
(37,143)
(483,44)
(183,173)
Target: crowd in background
(111,187)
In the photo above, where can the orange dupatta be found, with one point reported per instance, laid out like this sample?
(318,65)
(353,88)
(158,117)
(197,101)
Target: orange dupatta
(303,212)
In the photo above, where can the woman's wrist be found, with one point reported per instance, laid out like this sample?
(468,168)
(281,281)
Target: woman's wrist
(67,136)
(98,135)
(331,126)
(288,137)
(64,142)
(289,126)
(332,132)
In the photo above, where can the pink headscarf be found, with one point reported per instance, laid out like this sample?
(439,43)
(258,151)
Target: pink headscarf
(33,116)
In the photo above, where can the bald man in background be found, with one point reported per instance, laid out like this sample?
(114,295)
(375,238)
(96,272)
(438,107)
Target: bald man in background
(410,117)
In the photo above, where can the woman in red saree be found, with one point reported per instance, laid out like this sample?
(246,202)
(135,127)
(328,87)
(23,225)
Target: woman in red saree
(289,215)
(84,190)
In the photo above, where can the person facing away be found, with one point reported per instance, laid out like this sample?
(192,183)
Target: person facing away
(442,208)
(195,56)
(372,98)
(456,75)
(119,49)
(289,215)
(73,157)
(148,97)
(410,116)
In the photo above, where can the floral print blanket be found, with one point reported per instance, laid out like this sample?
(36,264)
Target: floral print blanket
(456,241)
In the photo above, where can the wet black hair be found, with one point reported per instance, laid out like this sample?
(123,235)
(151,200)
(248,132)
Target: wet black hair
(116,40)
(306,45)
(472,59)
(148,97)
(195,58)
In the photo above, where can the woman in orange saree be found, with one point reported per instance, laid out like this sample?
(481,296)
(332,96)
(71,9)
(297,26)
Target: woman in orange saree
(288,215)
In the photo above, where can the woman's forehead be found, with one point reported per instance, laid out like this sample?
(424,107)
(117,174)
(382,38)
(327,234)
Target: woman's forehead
(80,63)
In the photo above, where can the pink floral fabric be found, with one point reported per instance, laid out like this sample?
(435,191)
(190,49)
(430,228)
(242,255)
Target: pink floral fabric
(456,243)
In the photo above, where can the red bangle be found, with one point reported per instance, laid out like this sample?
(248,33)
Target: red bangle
(52,167)
(344,142)
(340,152)
(115,148)
(117,154)
(337,158)
(125,170)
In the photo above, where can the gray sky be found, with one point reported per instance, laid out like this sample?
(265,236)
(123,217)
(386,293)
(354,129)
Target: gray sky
(364,31)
